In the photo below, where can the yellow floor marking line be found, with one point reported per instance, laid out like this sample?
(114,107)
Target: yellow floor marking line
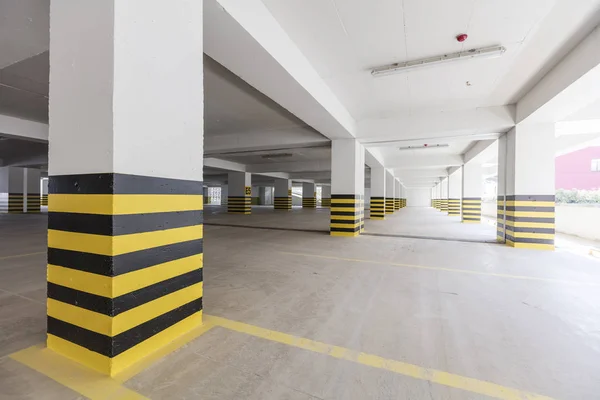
(22,255)
(76,377)
(90,383)
(402,368)
(457,270)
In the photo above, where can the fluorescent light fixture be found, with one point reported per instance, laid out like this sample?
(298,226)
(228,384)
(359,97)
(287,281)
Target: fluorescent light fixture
(424,146)
(486,52)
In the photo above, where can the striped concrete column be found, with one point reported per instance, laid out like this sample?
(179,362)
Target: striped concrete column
(389,192)
(309,195)
(378,183)
(239,200)
(125,242)
(13,191)
(444,196)
(472,189)
(347,188)
(325,196)
(33,199)
(526,186)
(397,195)
(454,192)
(283,194)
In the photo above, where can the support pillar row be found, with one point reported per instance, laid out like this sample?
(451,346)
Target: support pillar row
(325,196)
(309,195)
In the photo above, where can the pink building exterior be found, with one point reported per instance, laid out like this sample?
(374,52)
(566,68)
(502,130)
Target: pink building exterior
(576,170)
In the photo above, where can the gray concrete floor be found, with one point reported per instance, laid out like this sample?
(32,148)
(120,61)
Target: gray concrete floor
(414,222)
(541,336)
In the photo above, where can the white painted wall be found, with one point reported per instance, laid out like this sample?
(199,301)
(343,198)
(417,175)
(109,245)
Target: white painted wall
(420,197)
(573,219)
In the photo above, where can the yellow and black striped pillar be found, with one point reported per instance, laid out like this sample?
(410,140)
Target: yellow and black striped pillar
(326,203)
(500,219)
(283,203)
(377,207)
(454,207)
(34,203)
(240,204)
(397,205)
(403,202)
(362,213)
(346,215)
(434,203)
(530,221)
(444,205)
(44,200)
(16,205)
(124,266)
(310,202)
(389,205)
(471,210)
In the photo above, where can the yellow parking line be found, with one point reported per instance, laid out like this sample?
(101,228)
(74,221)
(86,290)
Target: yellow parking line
(76,377)
(457,270)
(90,383)
(402,368)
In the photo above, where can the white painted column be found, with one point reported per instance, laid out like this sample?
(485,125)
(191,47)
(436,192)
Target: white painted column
(454,192)
(526,176)
(472,190)
(224,194)
(389,192)
(309,195)
(283,194)
(444,195)
(32,197)
(347,187)
(12,190)
(326,196)
(378,181)
(239,200)
(397,194)
(45,192)
(125,118)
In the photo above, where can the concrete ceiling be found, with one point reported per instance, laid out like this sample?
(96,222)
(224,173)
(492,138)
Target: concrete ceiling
(346,39)
(268,124)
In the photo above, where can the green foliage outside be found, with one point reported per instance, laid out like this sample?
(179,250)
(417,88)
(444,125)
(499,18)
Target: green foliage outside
(577,196)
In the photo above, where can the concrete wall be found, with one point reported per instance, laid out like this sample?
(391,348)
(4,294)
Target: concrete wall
(418,197)
(581,220)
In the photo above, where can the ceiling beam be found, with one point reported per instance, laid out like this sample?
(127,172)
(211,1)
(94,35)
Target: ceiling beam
(571,85)
(482,151)
(245,38)
(297,166)
(262,140)
(425,161)
(436,126)
(23,129)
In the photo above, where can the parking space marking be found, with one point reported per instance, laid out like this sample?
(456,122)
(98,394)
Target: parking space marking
(456,270)
(76,377)
(370,360)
